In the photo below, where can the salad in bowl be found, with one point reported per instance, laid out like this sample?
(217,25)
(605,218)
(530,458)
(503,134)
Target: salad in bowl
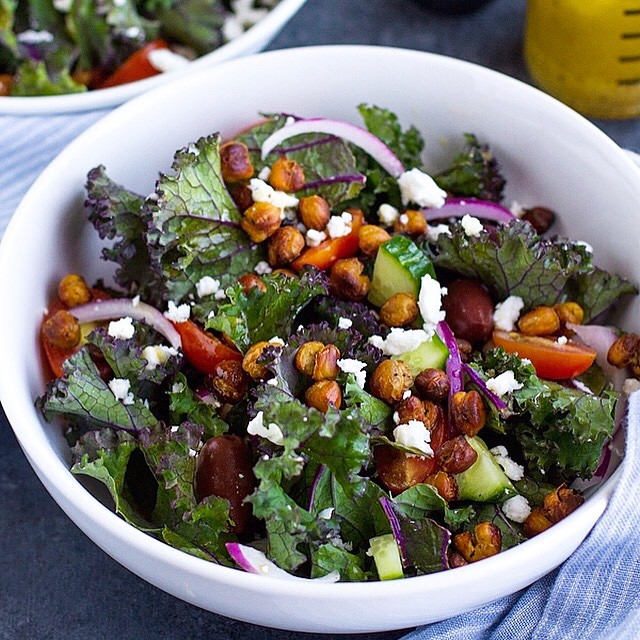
(319,361)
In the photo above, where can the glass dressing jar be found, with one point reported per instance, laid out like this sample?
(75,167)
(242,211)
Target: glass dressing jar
(586,53)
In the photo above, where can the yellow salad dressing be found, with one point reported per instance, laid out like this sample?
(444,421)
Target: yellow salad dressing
(587,54)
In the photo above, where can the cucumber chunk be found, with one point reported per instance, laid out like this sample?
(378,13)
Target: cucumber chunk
(484,480)
(431,354)
(398,268)
(386,556)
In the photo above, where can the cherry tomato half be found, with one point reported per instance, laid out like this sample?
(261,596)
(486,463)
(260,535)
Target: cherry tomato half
(136,67)
(327,253)
(551,359)
(202,349)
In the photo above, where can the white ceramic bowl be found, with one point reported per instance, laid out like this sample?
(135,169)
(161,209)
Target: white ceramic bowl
(550,155)
(251,41)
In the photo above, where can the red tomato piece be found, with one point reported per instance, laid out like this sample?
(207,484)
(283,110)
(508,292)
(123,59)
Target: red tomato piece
(327,253)
(551,359)
(202,349)
(136,67)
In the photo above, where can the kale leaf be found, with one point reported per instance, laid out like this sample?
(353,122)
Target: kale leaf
(514,260)
(473,173)
(195,227)
(254,316)
(116,212)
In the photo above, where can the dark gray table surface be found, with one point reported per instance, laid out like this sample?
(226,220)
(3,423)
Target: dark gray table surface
(54,582)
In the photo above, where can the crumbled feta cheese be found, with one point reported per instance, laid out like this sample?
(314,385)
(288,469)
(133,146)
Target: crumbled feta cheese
(192,453)
(512,470)
(503,384)
(157,354)
(630,385)
(434,232)
(31,36)
(430,303)
(345,323)
(132,32)
(63,6)
(326,514)
(208,286)
(263,192)
(120,389)
(507,312)
(406,394)
(273,382)
(419,187)
(404,219)
(262,268)
(135,301)
(358,368)
(517,209)
(175,428)
(516,509)
(339,226)
(313,237)
(271,432)
(472,226)
(562,340)
(177,387)
(399,341)
(165,60)
(396,417)
(177,313)
(122,329)
(387,214)
(277,340)
(414,434)
(264,173)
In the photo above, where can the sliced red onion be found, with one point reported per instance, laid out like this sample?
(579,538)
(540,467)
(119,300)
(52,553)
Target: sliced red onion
(114,309)
(320,473)
(454,361)
(600,339)
(459,207)
(358,136)
(497,402)
(254,561)
(387,507)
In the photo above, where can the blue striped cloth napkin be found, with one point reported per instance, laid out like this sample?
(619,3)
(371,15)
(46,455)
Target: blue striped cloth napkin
(595,595)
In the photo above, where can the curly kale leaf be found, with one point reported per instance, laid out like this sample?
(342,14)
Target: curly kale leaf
(327,558)
(328,162)
(514,260)
(561,430)
(254,316)
(473,173)
(195,227)
(331,310)
(116,212)
(82,396)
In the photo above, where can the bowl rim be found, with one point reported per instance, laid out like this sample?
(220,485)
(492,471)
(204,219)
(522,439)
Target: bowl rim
(66,487)
(247,43)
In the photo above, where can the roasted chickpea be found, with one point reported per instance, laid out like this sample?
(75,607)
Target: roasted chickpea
(540,218)
(411,408)
(398,471)
(541,321)
(250,361)
(305,358)
(6,80)
(235,162)
(412,222)
(324,394)
(287,273)
(483,542)
(399,310)
(229,382)
(390,380)
(456,455)
(624,351)
(73,290)
(370,237)
(325,366)
(62,330)
(261,220)
(285,245)
(314,212)
(286,175)
(251,280)
(445,484)
(347,281)
(467,412)
(241,195)
(433,384)
(569,312)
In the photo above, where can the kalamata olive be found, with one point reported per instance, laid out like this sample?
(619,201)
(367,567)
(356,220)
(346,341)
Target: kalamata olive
(224,469)
(469,310)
